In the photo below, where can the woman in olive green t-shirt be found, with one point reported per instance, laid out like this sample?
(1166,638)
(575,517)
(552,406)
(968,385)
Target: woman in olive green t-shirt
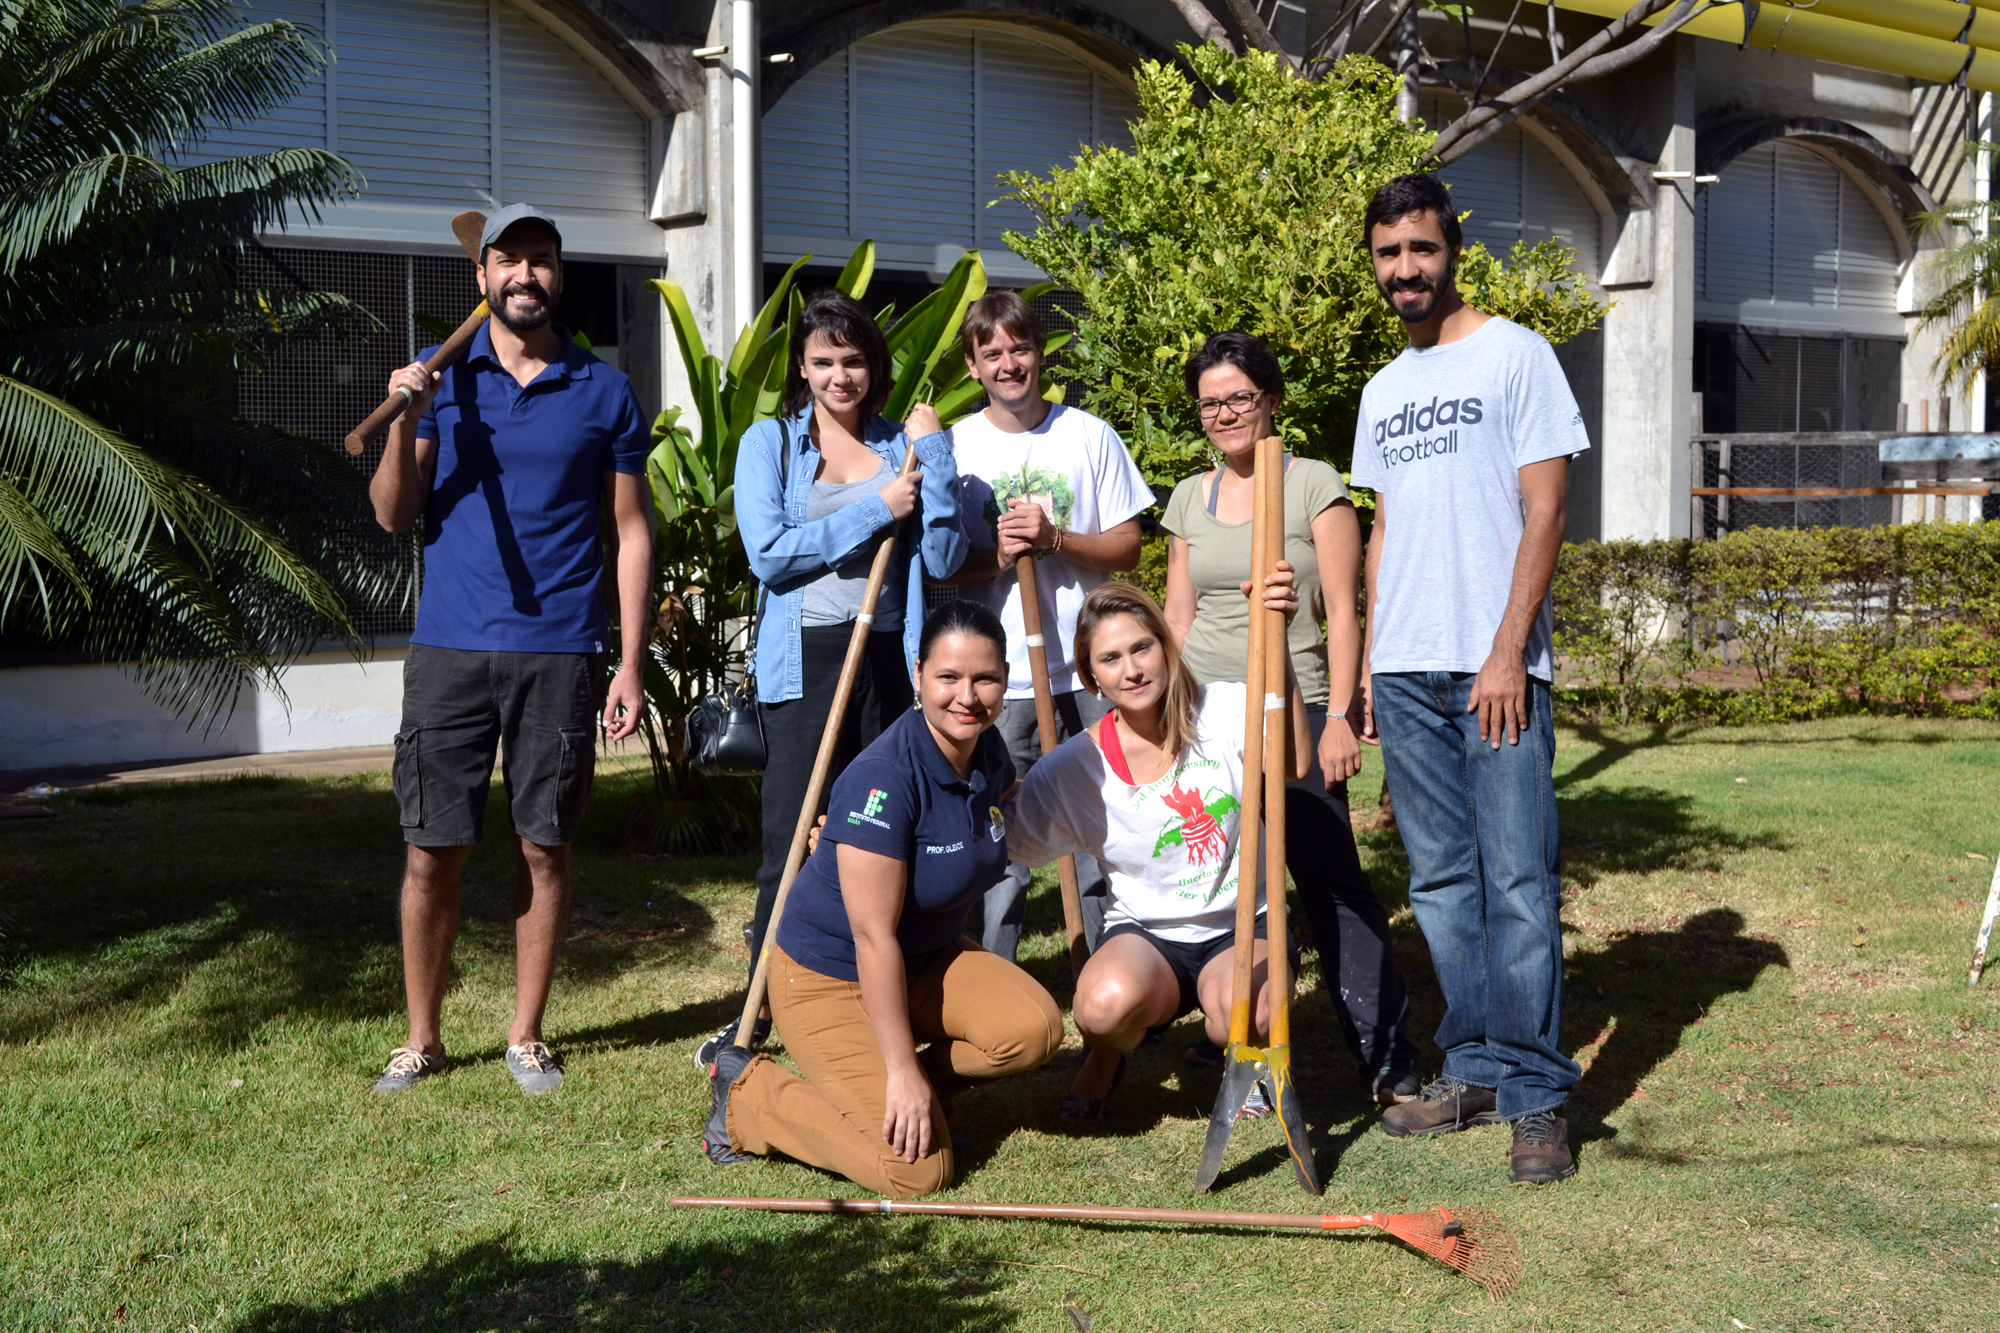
(1238,385)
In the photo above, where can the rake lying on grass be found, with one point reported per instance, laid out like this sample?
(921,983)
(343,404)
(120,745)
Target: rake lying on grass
(1472,1240)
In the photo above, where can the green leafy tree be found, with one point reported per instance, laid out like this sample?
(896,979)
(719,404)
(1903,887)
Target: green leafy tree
(1239,206)
(140,521)
(707,592)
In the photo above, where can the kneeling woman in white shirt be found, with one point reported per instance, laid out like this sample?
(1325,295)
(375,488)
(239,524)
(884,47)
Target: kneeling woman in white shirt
(1154,792)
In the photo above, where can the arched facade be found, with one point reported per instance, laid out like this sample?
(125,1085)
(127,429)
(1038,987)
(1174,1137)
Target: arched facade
(446,105)
(902,136)
(1517,186)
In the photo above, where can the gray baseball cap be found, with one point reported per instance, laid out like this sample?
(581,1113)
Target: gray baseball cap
(499,221)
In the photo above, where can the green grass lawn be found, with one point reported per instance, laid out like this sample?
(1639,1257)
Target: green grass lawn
(1789,1117)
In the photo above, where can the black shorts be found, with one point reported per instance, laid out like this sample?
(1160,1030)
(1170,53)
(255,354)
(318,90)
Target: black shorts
(1187,960)
(459,705)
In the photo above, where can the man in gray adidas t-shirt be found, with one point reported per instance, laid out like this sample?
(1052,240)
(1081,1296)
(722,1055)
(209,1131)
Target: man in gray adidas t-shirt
(1466,438)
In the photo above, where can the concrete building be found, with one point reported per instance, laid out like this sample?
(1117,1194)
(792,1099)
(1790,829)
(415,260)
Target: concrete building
(713,140)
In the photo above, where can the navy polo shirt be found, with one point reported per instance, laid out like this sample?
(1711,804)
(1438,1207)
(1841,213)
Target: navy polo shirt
(512,561)
(901,798)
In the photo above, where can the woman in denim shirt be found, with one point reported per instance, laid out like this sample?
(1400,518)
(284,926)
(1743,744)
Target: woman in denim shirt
(817,491)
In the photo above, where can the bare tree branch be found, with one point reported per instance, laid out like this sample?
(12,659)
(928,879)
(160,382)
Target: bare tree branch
(1389,29)
(1591,59)
(1204,24)
(1331,45)
(1255,29)
(1549,31)
(1493,56)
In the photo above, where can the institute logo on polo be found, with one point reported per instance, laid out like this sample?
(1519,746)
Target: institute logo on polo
(1411,419)
(869,809)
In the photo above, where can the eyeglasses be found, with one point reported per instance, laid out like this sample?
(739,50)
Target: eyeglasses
(1238,404)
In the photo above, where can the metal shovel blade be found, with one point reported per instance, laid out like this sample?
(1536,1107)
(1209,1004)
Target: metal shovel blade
(1285,1101)
(1242,1067)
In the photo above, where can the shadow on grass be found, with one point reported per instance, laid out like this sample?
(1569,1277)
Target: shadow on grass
(255,899)
(1654,984)
(845,1273)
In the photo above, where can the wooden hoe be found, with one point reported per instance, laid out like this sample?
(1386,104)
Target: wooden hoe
(1266,737)
(1045,724)
(466,226)
(829,741)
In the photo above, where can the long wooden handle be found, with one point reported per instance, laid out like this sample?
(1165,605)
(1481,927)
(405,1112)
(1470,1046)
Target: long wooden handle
(450,353)
(1045,724)
(1071,1212)
(829,739)
(1249,823)
(1277,747)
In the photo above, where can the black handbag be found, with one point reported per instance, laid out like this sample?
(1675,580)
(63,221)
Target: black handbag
(725,731)
(725,734)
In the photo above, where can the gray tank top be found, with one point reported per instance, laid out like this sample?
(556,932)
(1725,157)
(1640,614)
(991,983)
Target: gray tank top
(834,598)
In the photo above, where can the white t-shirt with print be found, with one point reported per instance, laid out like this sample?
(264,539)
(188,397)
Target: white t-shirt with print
(1168,848)
(1077,468)
(1443,434)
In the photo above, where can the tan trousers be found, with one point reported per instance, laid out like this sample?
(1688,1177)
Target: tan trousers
(983,1017)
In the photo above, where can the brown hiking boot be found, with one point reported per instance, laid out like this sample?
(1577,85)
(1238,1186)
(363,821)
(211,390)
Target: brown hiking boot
(1443,1107)
(1540,1154)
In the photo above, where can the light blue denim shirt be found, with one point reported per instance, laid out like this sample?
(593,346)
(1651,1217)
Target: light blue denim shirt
(786,552)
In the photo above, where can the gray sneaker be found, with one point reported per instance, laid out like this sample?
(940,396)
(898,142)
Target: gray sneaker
(407,1064)
(534,1067)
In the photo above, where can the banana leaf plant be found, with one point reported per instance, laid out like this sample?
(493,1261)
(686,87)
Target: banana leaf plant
(707,594)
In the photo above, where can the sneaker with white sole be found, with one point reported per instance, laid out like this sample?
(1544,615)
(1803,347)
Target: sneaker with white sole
(407,1064)
(704,1054)
(534,1067)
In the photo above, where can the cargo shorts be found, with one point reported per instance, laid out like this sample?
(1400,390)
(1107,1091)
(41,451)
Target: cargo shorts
(539,710)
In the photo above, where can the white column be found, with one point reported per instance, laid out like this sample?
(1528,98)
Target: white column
(746,251)
(1649,351)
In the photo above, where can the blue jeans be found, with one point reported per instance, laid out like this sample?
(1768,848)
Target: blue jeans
(1479,825)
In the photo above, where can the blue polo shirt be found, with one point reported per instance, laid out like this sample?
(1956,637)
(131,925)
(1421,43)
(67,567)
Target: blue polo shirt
(512,561)
(901,798)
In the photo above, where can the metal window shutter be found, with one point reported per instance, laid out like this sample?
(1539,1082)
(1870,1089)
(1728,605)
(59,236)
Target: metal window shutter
(568,140)
(415,83)
(301,122)
(913,97)
(805,154)
(1806,265)
(1736,248)
(1035,111)
(902,136)
(1868,262)
(1517,190)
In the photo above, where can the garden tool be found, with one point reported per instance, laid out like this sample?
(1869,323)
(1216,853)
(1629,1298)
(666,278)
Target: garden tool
(1985,928)
(1266,732)
(1045,723)
(829,740)
(466,226)
(1472,1240)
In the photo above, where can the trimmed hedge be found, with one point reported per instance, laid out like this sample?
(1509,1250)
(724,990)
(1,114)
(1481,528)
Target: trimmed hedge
(1776,624)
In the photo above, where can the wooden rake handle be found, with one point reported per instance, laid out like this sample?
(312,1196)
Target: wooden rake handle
(1045,724)
(467,228)
(449,354)
(843,694)
(1276,705)
(1249,813)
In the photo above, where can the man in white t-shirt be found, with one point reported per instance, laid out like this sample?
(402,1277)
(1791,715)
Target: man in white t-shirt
(1036,476)
(1466,439)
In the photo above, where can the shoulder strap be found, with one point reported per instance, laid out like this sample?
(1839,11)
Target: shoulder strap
(1114,749)
(1214,492)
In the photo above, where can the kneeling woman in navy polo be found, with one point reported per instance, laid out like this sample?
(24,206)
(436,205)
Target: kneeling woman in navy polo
(870,957)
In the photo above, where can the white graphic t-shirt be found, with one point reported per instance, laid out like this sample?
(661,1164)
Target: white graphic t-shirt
(1442,436)
(1078,470)
(1168,848)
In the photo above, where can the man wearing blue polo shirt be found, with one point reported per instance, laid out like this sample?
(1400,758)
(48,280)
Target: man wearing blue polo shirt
(510,458)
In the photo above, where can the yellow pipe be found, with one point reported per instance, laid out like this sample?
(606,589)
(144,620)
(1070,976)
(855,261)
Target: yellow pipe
(1801,32)
(1940,19)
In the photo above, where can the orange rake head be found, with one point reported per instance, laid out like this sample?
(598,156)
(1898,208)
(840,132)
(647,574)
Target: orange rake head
(1472,1240)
